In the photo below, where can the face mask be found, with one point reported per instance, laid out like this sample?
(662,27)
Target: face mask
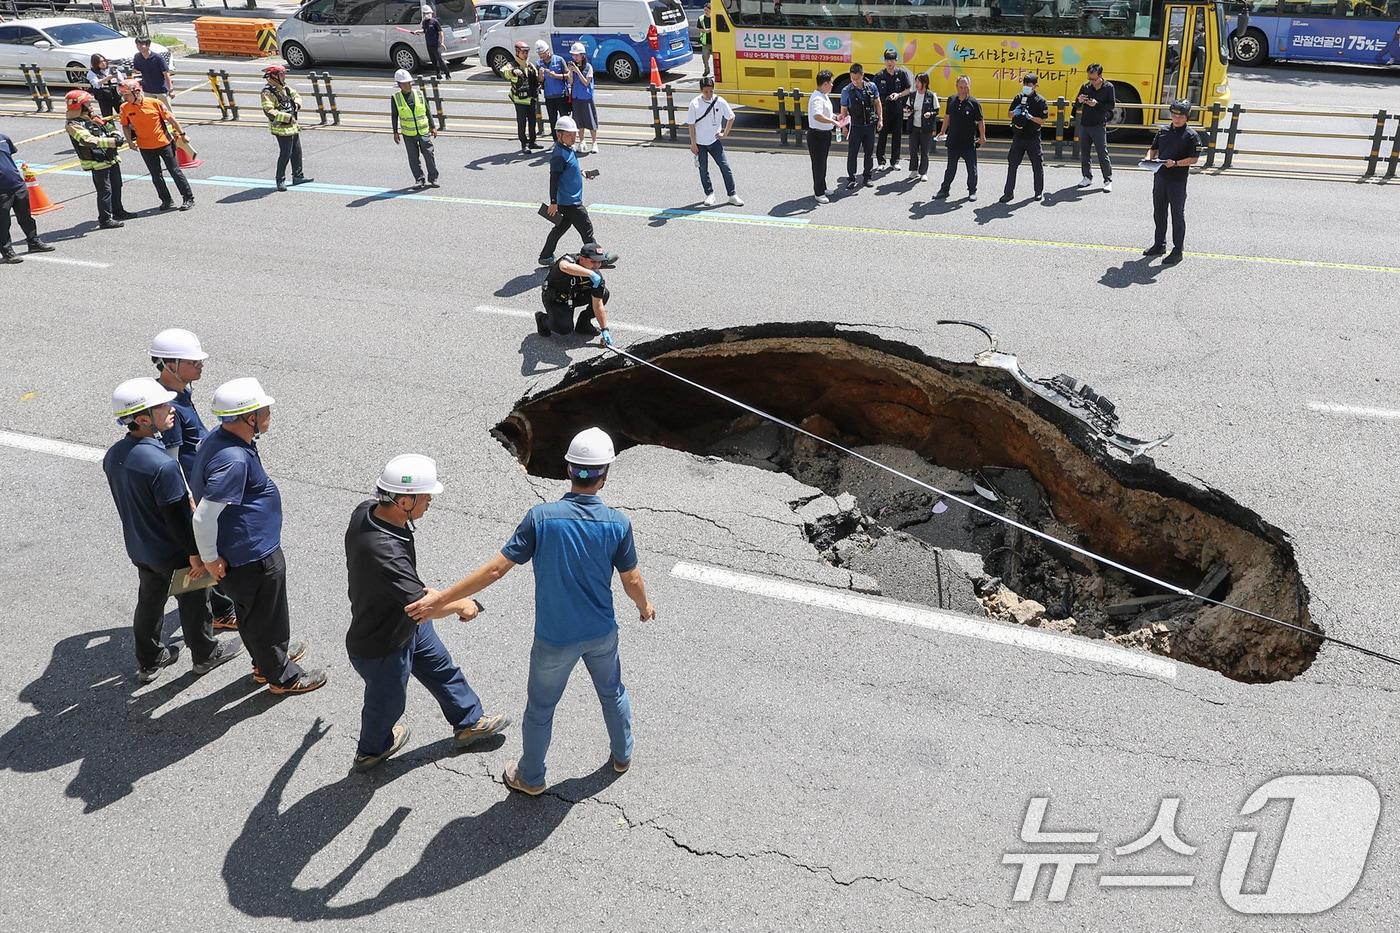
(1028,90)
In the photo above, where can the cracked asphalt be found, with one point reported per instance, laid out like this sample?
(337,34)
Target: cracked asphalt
(797,768)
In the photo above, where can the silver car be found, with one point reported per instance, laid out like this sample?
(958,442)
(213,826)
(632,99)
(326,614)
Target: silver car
(375,32)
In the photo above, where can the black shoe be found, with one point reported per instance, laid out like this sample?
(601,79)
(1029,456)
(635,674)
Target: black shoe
(308,681)
(1037,196)
(534,146)
(542,323)
(609,260)
(168,656)
(869,183)
(851,186)
(545,261)
(110,225)
(419,184)
(1173,258)
(281,186)
(38,246)
(187,204)
(941,196)
(585,328)
(1006,198)
(303,180)
(227,650)
(9,258)
(1156,249)
(525,149)
(432,183)
(167,205)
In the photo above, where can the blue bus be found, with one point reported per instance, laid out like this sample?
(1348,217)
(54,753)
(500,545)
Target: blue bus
(1349,32)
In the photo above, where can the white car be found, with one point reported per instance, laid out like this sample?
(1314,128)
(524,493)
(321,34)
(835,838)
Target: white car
(494,12)
(63,48)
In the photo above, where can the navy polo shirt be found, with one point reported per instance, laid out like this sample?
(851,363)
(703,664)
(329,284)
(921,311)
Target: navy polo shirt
(144,480)
(432,31)
(11,181)
(576,543)
(187,431)
(152,71)
(227,469)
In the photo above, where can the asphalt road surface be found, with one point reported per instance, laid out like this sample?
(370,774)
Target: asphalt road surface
(797,767)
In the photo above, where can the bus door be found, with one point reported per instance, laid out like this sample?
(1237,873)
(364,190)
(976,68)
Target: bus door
(1185,54)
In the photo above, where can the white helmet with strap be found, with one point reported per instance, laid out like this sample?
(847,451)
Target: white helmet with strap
(410,475)
(137,395)
(239,397)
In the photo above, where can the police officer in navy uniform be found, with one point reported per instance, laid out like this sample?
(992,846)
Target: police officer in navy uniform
(1028,113)
(1176,148)
(894,86)
(574,281)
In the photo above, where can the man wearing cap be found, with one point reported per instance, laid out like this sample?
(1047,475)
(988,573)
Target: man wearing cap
(152,128)
(574,282)
(408,114)
(238,528)
(179,361)
(431,31)
(384,644)
(1173,151)
(555,74)
(893,85)
(1028,113)
(153,70)
(524,77)
(708,119)
(576,544)
(153,504)
(97,143)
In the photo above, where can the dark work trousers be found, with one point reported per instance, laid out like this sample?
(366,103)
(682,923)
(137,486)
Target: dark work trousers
(862,138)
(526,126)
(108,99)
(219,604)
(890,129)
(561,315)
(417,146)
(818,147)
(146,622)
(108,182)
(966,154)
(439,66)
(259,594)
(289,151)
(714,150)
(386,688)
(166,154)
(1169,193)
(17,201)
(921,147)
(570,215)
(1095,137)
(556,107)
(1023,146)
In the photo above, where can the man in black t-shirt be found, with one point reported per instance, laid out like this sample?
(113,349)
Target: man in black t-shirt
(1095,102)
(384,644)
(894,86)
(1174,149)
(965,130)
(574,282)
(1028,113)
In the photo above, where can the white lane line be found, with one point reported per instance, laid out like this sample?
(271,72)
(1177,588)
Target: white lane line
(530,316)
(1355,411)
(45,446)
(945,622)
(68,262)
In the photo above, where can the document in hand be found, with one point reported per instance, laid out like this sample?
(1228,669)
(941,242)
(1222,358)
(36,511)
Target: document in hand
(1153,164)
(180,582)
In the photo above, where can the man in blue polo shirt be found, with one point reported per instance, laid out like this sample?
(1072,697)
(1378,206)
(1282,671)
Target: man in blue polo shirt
(576,544)
(238,527)
(153,68)
(153,503)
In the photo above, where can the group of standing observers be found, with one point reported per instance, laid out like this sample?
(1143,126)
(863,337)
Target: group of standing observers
(568,86)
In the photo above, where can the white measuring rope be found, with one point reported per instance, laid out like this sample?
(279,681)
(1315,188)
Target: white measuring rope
(1098,558)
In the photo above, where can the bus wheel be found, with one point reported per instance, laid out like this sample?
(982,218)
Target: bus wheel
(1250,49)
(623,69)
(1128,117)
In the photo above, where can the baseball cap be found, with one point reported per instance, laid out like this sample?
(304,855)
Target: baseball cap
(891,55)
(592,251)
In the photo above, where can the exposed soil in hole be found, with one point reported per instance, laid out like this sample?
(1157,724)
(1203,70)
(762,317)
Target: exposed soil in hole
(975,432)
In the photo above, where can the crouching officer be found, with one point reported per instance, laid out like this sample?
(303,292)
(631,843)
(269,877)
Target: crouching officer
(1175,148)
(96,142)
(154,506)
(384,644)
(573,282)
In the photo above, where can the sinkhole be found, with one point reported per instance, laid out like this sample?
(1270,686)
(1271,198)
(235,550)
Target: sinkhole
(1045,452)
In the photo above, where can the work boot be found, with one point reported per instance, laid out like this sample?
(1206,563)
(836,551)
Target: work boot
(167,205)
(37,245)
(585,327)
(9,258)
(308,681)
(150,672)
(110,225)
(1173,258)
(186,204)
(295,652)
(542,323)
(303,180)
(227,650)
(512,778)
(484,727)
(941,196)
(1006,198)
(1156,249)
(365,762)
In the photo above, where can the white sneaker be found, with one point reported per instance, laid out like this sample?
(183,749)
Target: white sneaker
(1085,182)
(923,178)
(736,200)
(823,199)
(1108,186)
(711,199)
(595,147)
(880,166)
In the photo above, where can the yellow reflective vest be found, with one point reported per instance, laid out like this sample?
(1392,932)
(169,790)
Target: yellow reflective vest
(413,115)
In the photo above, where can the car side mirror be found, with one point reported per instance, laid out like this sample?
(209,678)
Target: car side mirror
(43,44)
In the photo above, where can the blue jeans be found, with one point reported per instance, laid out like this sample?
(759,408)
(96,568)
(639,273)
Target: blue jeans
(715,150)
(550,667)
(386,688)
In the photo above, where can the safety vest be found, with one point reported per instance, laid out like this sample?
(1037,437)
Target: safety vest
(94,143)
(524,81)
(280,105)
(413,120)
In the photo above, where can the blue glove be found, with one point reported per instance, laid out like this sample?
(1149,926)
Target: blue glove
(595,278)
(1016,112)
(607,337)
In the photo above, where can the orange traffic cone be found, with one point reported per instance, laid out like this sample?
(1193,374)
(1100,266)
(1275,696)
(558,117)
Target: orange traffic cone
(655,73)
(185,155)
(39,202)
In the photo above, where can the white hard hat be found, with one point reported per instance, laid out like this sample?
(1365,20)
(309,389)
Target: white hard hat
(177,344)
(427,9)
(239,397)
(137,395)
(410,475)
(577,49)
(566,125)
(541,46)
(592,447)
(403,77)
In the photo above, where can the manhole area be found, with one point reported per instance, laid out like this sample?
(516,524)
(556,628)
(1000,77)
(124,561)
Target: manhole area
(974,432)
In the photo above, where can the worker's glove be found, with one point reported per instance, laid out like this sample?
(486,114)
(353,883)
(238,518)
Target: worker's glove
(606,337)
(595,278)
(1016,112)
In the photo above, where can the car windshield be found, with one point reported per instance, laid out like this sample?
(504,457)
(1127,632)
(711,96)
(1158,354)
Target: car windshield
(79,33)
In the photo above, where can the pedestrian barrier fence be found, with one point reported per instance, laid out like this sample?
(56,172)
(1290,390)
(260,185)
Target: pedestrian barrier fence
(225,35)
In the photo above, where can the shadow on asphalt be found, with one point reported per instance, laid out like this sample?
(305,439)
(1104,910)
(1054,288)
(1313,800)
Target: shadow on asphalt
(794,207)
(667,214)
(248,194)
(88,713)
(508,158)
(523,283)
(382,196)
(547,354)
(931,208)
(276,844)
(1133,272)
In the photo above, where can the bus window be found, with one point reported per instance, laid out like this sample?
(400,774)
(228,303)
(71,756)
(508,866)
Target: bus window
(1196,67)
(1171,57)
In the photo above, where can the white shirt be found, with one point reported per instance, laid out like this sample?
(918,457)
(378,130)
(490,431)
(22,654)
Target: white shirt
(707,130)
(919,108)
(819,104)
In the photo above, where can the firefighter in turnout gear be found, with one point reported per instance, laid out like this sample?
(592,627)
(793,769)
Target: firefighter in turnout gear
(524,77)
(281,104)
(408,113)
(574,281)
(97,142)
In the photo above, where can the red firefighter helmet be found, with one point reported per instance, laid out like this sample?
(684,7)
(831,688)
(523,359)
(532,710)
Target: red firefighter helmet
(77,98)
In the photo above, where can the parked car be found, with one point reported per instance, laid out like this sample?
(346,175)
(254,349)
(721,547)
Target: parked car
(622,36)
(63,47)
(491,15)
(375,32)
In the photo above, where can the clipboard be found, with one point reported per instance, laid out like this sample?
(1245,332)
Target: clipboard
(1153,164)
(180,582)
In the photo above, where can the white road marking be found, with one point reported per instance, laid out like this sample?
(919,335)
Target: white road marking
(68,262)
(1355,411)
(45,446)
(945,622)
(530,316)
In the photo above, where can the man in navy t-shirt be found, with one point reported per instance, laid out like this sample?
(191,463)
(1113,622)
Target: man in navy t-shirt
(14,196)
(575,545)
(153,503)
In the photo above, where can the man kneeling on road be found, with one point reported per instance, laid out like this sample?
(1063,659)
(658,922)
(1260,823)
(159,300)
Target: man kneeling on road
(576,544)
(574,281)
(384,644)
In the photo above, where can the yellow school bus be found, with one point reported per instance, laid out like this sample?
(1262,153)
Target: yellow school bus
(1152,50)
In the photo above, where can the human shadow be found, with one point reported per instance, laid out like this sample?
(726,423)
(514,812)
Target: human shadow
(548,354)
(1070,194)
(525,282)
(932,208)
(896,186)
(89,711)
(277,844)
(387,195)
(667,214)
(997,211)
(508,158)
(248,194)
(75,232)
(1133,272)
(794,207)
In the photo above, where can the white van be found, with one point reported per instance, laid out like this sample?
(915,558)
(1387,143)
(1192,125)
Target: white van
(622,36)
(373,32)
